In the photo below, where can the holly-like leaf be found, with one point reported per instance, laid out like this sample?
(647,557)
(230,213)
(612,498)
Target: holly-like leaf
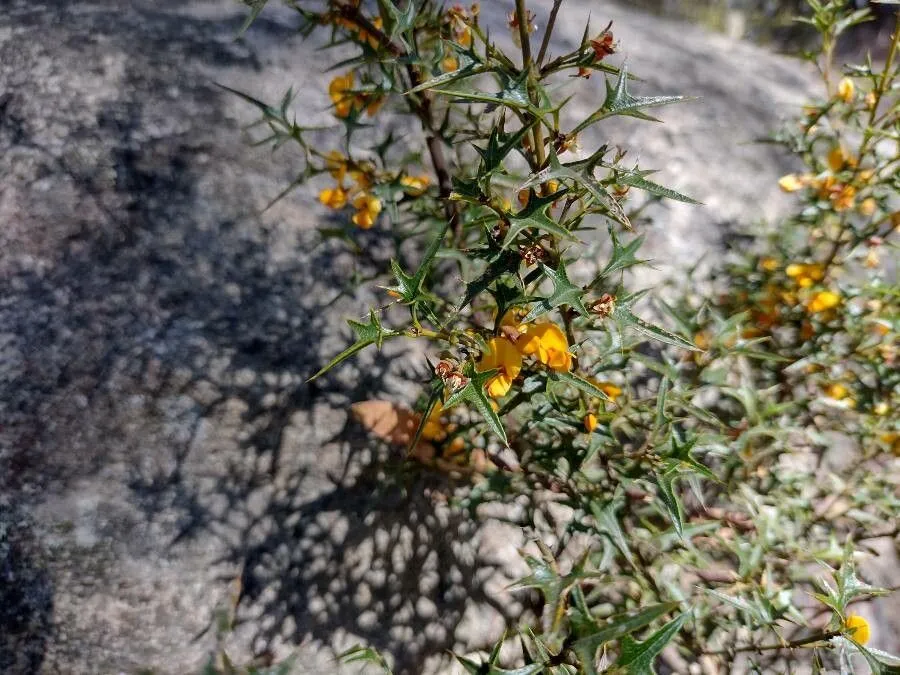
(513,94)
(625,318)
(615,628)
(619,101)
(534,216)
(564,293)
(474,394)
(636,658)
(505,262)
(580,383)
(371,333)
(636,179)
(622,257)
(607,523)
(499,145)
(666,485)
(358,653)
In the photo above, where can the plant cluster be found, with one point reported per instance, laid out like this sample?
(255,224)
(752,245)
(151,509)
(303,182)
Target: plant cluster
(682,466)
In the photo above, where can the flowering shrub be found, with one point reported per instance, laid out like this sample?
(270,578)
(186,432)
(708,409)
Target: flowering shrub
(687,443)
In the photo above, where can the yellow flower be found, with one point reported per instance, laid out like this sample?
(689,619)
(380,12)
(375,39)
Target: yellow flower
(610,389)
(846,89)
(338,90)
(805,274)
(502,355)
(870,100)
(892,439)
(449,63)
(333,198)
(367,209)
(769,264)
(433,429)
(415,185)
(547,343)
(868,206)
(791,182)
(822,301)
(843,199)
(881,408)
(336,164)
(858,628)
(837,391)
(836,159)
(590,422)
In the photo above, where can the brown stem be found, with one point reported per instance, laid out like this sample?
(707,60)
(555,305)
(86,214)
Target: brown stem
(545,43)
(813,639)
(421,107)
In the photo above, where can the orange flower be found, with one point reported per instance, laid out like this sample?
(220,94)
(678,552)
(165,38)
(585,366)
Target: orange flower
(339,91)
(603,45)
(333,198)
(846,90)
(858,628)
(502,355)
(449,64)
(791,182)
(367,207)
(822,301)
(805,274)
(547,343)
(415,185)
(590,422)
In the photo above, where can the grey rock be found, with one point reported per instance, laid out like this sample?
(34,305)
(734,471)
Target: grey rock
(159,441)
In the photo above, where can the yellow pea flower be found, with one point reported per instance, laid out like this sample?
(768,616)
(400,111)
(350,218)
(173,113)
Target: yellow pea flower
(791,182)
(868,206)
(805,274)
(338,90)
(415,185)
(837,391)
(547,343)
(858,628)
(846,90)
(610,389)
(333,198)
(367,209)
(502,355)
(590,422)
(822,301)
(449,64)
(870,100)
(837,158)
(336,164)
(843,199)
(433,429)
(769,264)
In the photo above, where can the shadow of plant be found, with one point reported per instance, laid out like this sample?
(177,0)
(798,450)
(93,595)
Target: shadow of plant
(167,350)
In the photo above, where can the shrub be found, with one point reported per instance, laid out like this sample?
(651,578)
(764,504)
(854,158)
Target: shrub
(678,457)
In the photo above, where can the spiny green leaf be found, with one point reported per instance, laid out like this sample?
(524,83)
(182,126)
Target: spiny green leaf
(534,215)
(437,388)
(636,658)
(371,333)
(579,383)
(607,523)
(625,317)
(366,655)
(256,7)
(505,262)
(564,293)
(636,179)
(620,102)
(474,394)
(666,484)
(616,627)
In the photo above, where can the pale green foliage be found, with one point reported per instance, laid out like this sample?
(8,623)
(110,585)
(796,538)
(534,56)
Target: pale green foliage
(686,460)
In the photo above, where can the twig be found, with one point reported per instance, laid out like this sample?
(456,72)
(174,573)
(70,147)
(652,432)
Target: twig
(821,637)
(545,43)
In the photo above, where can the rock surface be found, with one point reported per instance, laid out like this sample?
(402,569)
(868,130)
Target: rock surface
(159,447)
